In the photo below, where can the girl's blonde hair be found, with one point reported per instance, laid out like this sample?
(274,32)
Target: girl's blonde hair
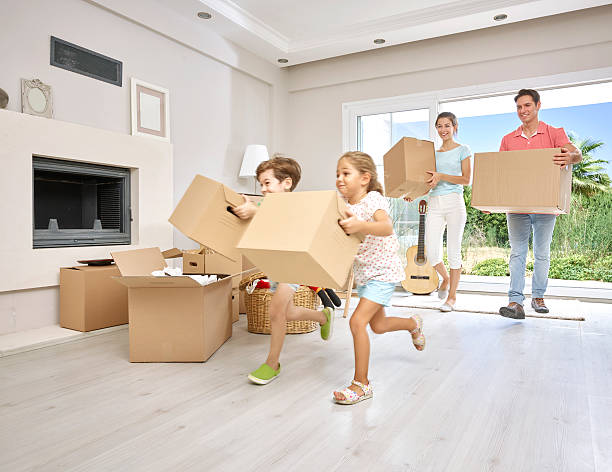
(364,165)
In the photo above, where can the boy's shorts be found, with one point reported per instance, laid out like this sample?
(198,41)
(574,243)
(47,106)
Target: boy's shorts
(377,291)
(273,286)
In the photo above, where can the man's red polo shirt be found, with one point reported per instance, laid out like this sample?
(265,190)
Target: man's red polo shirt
(545,137)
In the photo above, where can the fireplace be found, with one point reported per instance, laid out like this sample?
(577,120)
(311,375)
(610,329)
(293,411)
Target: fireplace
(80,204)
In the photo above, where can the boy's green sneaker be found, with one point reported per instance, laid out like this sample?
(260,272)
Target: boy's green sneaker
(328,328)
(264,374)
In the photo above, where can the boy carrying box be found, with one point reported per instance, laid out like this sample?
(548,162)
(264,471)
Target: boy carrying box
(281,174)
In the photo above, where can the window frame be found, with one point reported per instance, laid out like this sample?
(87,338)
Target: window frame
(432,99)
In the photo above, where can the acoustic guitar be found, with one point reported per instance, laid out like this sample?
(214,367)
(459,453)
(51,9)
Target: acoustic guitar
(421,277)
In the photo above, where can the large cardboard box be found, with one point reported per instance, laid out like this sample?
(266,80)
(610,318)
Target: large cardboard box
(296,238)
(90,299)
(406,165)
(521,182)
(204,215)
(172,319)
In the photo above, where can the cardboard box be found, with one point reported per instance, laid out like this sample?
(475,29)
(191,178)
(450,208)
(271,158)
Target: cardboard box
(235,304)
(90,299)
(204,215)
(295,238)
(172,319)
(521,182)
(205,261)
(406,165)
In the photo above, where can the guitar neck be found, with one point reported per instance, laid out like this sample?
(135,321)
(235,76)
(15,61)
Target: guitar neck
(421,246)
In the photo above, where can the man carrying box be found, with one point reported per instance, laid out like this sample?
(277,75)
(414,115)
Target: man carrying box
(532,134)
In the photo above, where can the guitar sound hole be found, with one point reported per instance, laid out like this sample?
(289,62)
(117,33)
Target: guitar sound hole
(419,261)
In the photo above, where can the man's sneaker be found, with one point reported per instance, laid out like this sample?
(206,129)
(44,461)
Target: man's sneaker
(328,328)
(538,305)
(264,374)
(513,310)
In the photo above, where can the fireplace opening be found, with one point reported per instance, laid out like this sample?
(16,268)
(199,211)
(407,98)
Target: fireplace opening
(80,204)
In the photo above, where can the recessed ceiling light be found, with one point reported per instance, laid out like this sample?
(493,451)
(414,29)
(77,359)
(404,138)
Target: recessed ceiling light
(204,15)
(282,60)
(379,41)
(500,17)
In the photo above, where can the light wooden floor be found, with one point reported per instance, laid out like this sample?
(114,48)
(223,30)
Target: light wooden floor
(488,394)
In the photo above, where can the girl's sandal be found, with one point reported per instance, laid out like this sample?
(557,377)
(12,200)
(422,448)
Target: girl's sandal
(419,341)
(351,397)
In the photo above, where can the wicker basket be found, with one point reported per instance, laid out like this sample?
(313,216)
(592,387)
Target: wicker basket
(258,306)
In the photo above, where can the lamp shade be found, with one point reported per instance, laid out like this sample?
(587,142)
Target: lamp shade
(253,156)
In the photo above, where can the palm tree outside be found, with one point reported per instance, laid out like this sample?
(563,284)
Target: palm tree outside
(589,176)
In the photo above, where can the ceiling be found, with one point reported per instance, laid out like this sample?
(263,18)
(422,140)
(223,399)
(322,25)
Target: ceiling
(318,29)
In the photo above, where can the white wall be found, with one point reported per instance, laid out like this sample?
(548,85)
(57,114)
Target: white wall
(221,96)
(216,109)
(565,43)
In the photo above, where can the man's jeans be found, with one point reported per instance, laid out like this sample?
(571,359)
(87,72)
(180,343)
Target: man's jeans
(519,230)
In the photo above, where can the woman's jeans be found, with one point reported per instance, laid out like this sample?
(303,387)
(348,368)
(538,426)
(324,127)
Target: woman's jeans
(519,230)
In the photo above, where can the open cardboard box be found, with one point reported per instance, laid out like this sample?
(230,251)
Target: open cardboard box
(521,182)
(90,299)
(172,319)
(295,238)
(205,261)
(406,165)
(204,215)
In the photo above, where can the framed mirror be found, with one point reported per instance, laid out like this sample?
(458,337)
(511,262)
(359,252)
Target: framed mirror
(36,98)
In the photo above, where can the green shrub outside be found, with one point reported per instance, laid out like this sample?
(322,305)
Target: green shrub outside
(493,267)
(569,267)
(581,248)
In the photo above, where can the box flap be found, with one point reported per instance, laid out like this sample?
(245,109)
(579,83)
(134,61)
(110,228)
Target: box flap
(86,268)
(158,282)
(139,261)
(172,253)
(231,197)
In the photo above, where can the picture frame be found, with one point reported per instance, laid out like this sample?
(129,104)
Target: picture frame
(36,98)
(150,110)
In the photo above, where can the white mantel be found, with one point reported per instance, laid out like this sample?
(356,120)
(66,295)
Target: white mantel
(22,136)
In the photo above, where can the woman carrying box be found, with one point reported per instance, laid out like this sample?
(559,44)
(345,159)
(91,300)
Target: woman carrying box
(446,207)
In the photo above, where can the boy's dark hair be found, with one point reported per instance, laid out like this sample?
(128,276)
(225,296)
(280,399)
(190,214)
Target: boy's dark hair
(528,92)
(283,167)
